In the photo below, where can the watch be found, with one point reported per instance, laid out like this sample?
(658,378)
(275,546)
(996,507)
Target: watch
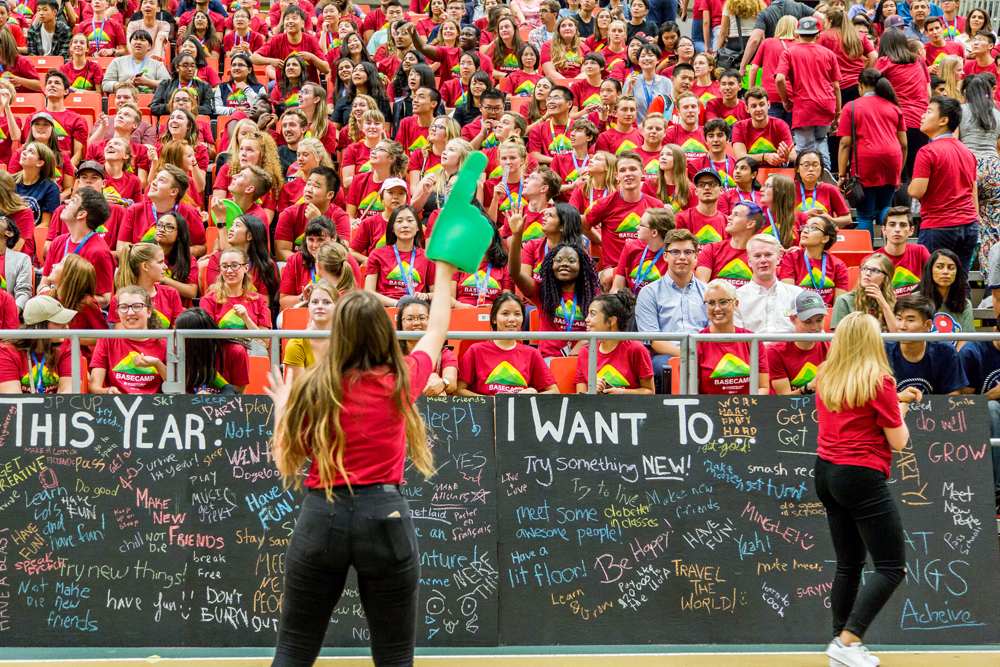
(446,382)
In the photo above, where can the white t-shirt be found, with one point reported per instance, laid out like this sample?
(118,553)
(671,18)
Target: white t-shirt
(745,24)
(46,41)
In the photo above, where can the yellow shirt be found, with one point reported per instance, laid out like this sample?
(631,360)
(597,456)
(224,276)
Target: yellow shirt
(299,353)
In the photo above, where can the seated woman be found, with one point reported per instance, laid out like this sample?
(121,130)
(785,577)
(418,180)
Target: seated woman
(285,94)
(232,300)
(388,160)
(202,29)
(212,365)
(399,268)
(811,266)
(122,186)
(357,155)
(413,315)
(425,160)
(747,187)
(873,294)
(249,234)
(522,82)
(36,182)
(38,365)
(74,283)
(85,73)
(562,56)
(242,90)
(42,130)
(142,264)
(812,196)
(187,98)
(185,70)
(206,72)
(724,368)
(300,272)
(181,267)
(482,288)
(560,225)
(672,185)
(623,366)
(129,365)
(777,198)
(335,265)
(183,126)
(946,286)
(492,367)
(309,155)
(302,353)
(16,274)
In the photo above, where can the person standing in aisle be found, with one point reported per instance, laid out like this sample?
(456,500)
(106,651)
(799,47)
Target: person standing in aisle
(861,422)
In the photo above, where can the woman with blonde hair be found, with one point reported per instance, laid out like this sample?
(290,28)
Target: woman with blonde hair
(309,155)
(130,365)
(335,265)
(426,160)
(738,18)
(352,131)
(873,294)
(562,56)
(357,156)
(143,264)
(433,189)
(312,102)
(259,149)
(951,70)
(303,353)
(388,160)
(358,440)
(599,181)
(672,185)
(861,421)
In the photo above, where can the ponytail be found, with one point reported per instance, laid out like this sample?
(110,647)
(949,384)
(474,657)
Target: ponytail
(620,305)
(130,261)
(872,78)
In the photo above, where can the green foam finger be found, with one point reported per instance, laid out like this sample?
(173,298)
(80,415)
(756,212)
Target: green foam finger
(464,188)
(461,234)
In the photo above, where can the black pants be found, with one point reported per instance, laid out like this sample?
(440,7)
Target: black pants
(915,140)
(329,538)
(863,519)
(847,95)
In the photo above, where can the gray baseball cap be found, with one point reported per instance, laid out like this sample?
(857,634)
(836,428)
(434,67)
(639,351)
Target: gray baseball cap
(809,304)
(807,26)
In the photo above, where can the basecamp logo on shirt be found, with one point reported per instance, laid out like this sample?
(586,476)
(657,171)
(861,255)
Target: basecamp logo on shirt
(611,63)
(510,60)
(731,366)
(559,144)
(371,203)
(471,281)
(526,88)
(692,145)
(292,100)
(762,146)
(418,143)
(652,167)
(626,146)
(461,99)
(731,120)
(727,180)
(706,97)
(735,270)
(3,283)
(82,84)
(98,38)
(237,98)
(164,322)
(127,366)
(707,234)
(232,321)
(903,278)
(49,378)
(572,57)
(563,308)
(491,141)
(217,383)
(507,204)
(611,376)
(149,236)
(593,99)
(653,272)
(809,203)
(533,231)
(630,225)
(58,129)
(815,279)
(806,375)
(397,274)
(3,135)
(365,168)
(505,376)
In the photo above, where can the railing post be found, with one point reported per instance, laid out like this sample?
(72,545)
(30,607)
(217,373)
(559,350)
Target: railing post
(754,367)
(76,383)
(682,381)
(275,348)
(592,365)
(693,366)
(172,385)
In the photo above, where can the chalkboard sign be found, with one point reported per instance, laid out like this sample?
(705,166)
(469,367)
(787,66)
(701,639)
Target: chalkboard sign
(695,520)
(161,521)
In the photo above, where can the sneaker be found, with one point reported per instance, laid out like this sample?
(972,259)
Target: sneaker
(873,659)
(849,656)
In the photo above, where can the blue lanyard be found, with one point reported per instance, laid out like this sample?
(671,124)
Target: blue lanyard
(941,136)
(142,67)
(739,193)
(312,276)
(156,216)
(641,278)
(38,368)
(774,232)
(576,165)
(822,280)
(802,189)
(868,94)
(949,27)
(592,195)
(520,189)
(93,26)
(79,247)
(725,170)
(645,89)
(407,275)
(481,288)
(571,315)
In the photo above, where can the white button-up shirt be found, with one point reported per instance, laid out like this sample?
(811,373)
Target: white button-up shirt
(766,310)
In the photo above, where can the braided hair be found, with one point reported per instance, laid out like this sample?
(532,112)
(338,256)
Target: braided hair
(550,292)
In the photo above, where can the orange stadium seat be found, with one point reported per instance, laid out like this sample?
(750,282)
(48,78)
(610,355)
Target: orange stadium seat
(764,172)
(103,61)
(294,319)
(40,234)
(564,370)
(675,375)
(45,63)
(260,371)
(27,103)
(853,274)
(85,103)
(852,246)
(520,104)
(84,376)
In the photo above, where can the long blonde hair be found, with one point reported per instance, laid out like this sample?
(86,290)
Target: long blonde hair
(610,178)
(464,149)
(855,366)
(439,40)
(316,147)
(269,160)
(362,342)
(77,283)
(850,40)
(559,49)
(864,303)
(682,184)
(10,201)
(952,85)
(333,257)
(130,261)
(234,141)
(452,130)
(321,122)
(353,126)
(246,287)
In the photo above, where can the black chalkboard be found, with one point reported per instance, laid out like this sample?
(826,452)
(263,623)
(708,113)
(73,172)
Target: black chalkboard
(161,521)
(695,520)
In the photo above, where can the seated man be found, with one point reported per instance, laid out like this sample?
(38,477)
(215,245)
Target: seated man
(930,367)
(675,302)
(765,302)
(792,365)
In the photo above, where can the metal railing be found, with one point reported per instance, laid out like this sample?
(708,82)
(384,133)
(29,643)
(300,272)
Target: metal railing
(175,340)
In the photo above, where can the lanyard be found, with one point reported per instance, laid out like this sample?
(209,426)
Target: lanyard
(645,89)
(739,193)
(822,280)
(641,277)
(571,315)
(97,35)
(552,133)
(520,189)
(156,216)
(408,275)
(592,195)
(142,67)
(190,83)
(79,247)
(37,368)
(482,287)
(950,29)
(802,189)
(725,170)
(774,232)
(312,276)
(576,165)
(942,136)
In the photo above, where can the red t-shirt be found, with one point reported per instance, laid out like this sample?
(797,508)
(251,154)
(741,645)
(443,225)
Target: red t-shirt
(585,94)
(232,366)
(532,254)
(574,60)
(724,167)
(364,195)
(972,67)
(811,72)
(692,143)
(470,131)
(410,135)
(549,139)
(369,235)
(628,265)
(212,273)
(793,265)
(850,68)
(706,228)
(724,368)
(508,201)
(425,164)
(855,436)
(108,34)
(6,145)
(787,360)
(279,47)
(618,221)
(292,224)
(291,193)
(94,251)
(24,69)
(532,225)
(732,197)
(15,366)
(650,162)
(108,231)
(392,276)
(127,188)
(824,196)
(557,322)
(764,140)
(725,262)
(226,318)
(137,227)
(716,108)
(876,121)
(69,127)
(488,370)
(254,38)
(616,142)
(706,93)
(623,367)
(951,169)
(521,84)
(166,306)
(140,156)
(910,82)
(767,57)
(935,54)
(498,280)
(9,318)
(582,202)
(453,92)
(909,268)
(374,430)
(115,355)
(25,221)
(88,78)
(612,58)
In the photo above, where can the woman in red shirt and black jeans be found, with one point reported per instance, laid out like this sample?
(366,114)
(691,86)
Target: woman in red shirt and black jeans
(354,413)
(860,423)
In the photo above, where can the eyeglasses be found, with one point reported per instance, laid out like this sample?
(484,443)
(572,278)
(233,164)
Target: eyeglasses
(416,320)
(871,271)
(378,149)
(492,109)
(810,228)
(571,261)
(679,253)
(134,307)
(707,184)
(231,267)
(437,126)
(165,227)
(185,65)
(809,165)
(721,303)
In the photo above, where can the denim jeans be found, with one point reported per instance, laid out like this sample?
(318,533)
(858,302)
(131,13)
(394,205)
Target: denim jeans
(660,361)
(863,519)
(813,136)
(878,199)
(697,35)
(960,239)
(373,532)
(777,110)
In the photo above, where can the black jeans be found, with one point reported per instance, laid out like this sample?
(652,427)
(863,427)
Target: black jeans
(863,519)
(329,538)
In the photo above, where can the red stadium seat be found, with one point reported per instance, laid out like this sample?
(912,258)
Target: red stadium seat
(85,103)
(520,105)
(852,246)
(468,319)
(853,274)
(40,234)
(675,375)
(25,103)
(45,63)
(84,376)
(564,371)
(826,320)
(260,375)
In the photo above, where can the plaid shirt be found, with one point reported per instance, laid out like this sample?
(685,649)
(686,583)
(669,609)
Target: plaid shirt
(60,40)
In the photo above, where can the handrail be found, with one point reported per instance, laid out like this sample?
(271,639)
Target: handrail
(688,364)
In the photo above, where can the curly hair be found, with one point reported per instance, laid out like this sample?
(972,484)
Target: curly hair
(550,292)
(744,9)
